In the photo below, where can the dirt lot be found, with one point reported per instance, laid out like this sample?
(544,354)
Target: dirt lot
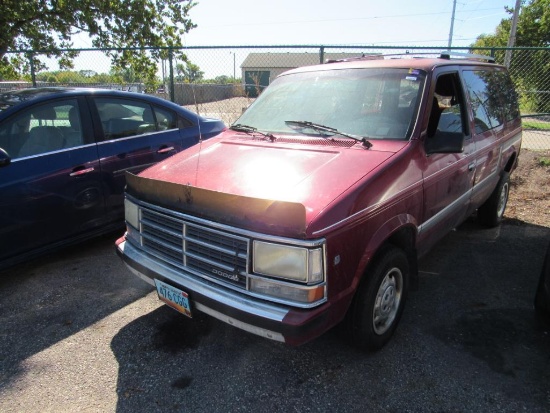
(529,201)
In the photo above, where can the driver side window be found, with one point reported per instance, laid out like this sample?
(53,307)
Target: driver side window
(446,126)
(447,107)
(42,128)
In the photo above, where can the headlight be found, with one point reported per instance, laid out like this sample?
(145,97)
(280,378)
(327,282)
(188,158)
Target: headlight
(131,213)
(292,263)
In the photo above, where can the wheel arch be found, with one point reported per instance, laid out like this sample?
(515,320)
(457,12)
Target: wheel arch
(400,232)
(511,163)
(405,239)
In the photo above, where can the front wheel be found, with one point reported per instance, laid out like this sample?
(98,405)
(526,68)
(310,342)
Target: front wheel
(491,212)
(379,301)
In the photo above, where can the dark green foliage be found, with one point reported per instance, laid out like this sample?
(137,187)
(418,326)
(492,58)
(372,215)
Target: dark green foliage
(530,69)
(48,26)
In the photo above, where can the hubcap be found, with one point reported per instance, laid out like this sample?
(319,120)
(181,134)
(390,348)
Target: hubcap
(387,301)
(502,199)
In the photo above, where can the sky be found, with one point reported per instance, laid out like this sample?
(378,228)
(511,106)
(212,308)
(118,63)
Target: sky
(343,22)
(315,23)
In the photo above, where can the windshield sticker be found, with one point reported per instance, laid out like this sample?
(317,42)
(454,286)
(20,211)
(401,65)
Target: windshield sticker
(413,78)
(414,71)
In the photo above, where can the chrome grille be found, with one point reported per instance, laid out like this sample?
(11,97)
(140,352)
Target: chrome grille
(197,248)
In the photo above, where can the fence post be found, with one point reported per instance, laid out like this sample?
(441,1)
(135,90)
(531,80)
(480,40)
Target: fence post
(321,54)
(171,65)
(33,74)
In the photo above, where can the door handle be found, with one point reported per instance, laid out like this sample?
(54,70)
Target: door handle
(81,172)
(471,166)
(166,149)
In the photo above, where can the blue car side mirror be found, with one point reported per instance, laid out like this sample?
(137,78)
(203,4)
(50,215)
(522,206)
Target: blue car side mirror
(5,159)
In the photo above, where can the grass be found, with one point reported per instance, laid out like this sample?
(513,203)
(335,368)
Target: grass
(544,161)
(538,125)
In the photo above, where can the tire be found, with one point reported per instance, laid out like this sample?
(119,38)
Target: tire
(542,296)
(490,214)
(379,301)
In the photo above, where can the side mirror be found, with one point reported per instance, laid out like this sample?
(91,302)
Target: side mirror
(445,142)
(5,159)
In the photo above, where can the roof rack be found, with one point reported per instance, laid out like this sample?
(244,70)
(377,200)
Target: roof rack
(448,54)
(380,56)
(371,56)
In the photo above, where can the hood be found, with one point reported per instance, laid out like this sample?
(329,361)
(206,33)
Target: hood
(312,174)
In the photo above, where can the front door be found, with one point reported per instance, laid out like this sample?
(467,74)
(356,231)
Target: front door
(51,190)
(449,172)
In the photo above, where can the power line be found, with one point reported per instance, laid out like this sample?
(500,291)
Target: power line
(389,16)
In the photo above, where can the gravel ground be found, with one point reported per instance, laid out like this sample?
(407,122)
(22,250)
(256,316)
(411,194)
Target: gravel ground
(530,189)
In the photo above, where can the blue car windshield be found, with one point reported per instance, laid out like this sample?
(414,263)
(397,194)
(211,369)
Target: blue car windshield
(372,103)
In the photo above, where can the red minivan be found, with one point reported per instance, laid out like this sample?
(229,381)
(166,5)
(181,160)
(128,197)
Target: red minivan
(313,208)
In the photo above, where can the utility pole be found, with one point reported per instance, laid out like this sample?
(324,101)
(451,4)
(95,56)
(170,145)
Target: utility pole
(512,38)
(452,25)
(234,66)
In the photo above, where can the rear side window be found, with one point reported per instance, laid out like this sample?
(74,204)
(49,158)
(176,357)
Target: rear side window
(484,93)
(121,118)
(509,97)
(166,119)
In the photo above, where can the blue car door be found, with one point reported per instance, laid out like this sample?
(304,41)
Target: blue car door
(135,136)
(51,191)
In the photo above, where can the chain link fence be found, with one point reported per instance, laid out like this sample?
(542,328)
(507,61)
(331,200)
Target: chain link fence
(530,71)
(221,82)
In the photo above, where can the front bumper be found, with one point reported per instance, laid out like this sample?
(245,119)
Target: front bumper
(273,321)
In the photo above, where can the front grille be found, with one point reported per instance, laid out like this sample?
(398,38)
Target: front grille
(199,249)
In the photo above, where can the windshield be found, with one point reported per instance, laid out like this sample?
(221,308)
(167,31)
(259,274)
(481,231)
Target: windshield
(372,103)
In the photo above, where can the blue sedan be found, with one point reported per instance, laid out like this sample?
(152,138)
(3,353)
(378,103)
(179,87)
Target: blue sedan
(63,158)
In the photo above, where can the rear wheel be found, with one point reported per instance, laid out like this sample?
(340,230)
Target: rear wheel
(379,301)
(542,297)
(491,212)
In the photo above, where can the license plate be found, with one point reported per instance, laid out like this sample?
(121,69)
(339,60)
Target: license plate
(175,298)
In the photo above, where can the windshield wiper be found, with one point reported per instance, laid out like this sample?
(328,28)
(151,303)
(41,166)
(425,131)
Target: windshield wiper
(251,131)
(304,124)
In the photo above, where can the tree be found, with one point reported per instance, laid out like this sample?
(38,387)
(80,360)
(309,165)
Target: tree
(48,26)
(88,73)
(225,80)
(189,72)
(530,69)
(533,27)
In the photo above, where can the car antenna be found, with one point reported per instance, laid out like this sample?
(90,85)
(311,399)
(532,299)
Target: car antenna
(198,121)
(200,133)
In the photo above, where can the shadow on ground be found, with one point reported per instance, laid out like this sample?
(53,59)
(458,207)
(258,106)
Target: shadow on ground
(468,341)
(49,299)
